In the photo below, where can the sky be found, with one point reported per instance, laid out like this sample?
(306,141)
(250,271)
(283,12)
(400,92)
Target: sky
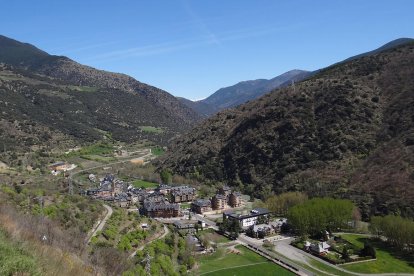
(191,48)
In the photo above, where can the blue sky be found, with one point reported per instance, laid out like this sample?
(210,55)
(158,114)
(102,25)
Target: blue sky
(191,48)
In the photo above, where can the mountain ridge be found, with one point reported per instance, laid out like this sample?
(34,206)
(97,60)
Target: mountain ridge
(243,91)
(48,97)
(346,131)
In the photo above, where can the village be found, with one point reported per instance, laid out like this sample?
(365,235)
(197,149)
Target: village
(180,206)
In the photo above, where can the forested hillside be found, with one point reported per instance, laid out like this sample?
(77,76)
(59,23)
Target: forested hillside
(46,100)
(348,131)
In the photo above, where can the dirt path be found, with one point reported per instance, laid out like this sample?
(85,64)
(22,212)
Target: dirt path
(166,231)
(101,223)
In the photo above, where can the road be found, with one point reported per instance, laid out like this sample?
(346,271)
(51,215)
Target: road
(268,254)
(102,223)
(166,231)
(71,175)
(211,223)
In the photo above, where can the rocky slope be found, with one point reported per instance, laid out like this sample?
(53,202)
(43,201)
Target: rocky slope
(347,131)
(44,96)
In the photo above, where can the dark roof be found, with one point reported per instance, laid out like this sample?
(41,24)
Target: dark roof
(202,202)
(163,187)
(184,224)
(163,205)
(253,213)
(182,190)
(236,193)
(220,196)
(226,188)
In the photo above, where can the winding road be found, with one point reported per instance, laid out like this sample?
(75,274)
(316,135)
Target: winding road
(101,223)
(166,231)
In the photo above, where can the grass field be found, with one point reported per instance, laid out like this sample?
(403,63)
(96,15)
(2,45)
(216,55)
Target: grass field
(211,235)
(157,151)
(142,183)
(388,259)
(224,262)
(151,129)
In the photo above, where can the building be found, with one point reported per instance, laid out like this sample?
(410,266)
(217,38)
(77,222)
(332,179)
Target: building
(164,189)
(260,231)
(225,190)
(185,226)
(201,206)
(161,209)
(182,194)
(219,202)
(256,216)
(235,199)
(154,197)
(320,248)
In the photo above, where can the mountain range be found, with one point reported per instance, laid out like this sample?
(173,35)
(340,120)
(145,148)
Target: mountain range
(345,131)
(244,91)
(53,99)
(232,96)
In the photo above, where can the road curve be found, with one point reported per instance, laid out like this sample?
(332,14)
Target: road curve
(102,223)
(166,231)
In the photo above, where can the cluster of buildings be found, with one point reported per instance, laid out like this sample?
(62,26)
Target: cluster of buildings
(160,202)
(223,199)
(163,202)
(113,191)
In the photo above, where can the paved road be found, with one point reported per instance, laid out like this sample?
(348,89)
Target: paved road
(252,244)
(101,223)
(211,223)
(166,231)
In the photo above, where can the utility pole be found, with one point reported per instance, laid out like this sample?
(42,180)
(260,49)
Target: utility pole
(70,184)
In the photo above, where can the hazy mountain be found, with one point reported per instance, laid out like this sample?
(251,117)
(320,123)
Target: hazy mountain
(347,131)
(47,98)
(242,92)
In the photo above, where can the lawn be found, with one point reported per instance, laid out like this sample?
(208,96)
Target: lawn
(225,262)
(267,268)
(151,129)
(185,205)
(211,235)
(142,183)
(388,259)
(157,151)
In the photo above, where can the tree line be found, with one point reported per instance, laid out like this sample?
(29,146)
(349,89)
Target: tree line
(397,230)
(320,214)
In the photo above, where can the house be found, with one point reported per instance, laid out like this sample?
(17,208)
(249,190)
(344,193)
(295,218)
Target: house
(121,202)
(201,206)
(235,199)
(256,216)
(185,226)
(320,248)
(260,230)
(278,224)
(162,209)
(164,189)
(219,202)
(225,190)
(154,197)
(182,194)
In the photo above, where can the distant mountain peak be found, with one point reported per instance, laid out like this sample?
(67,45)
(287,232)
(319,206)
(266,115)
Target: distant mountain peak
(241,92)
